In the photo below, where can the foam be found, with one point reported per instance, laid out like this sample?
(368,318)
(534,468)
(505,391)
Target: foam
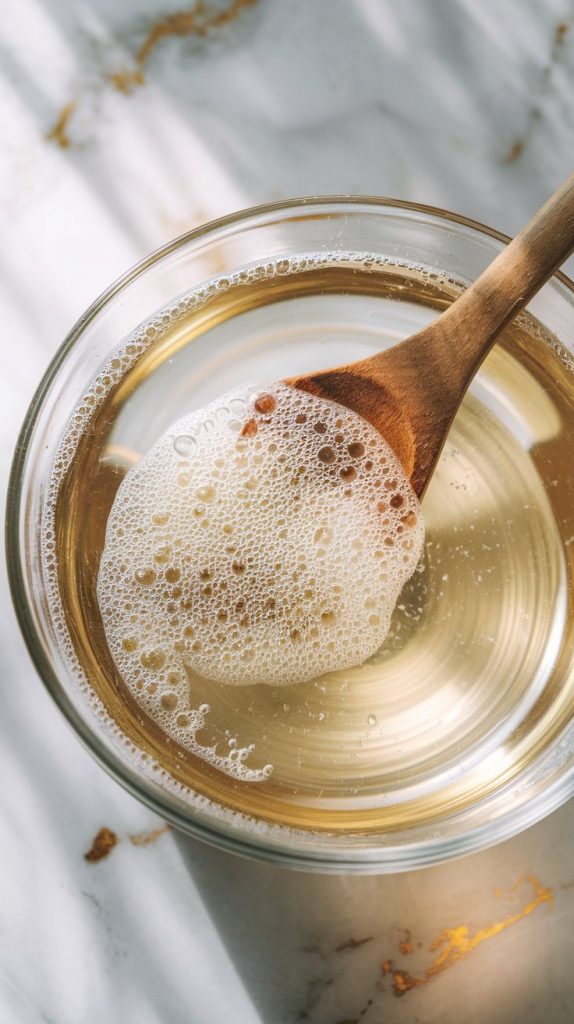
(111,372)
(263,539)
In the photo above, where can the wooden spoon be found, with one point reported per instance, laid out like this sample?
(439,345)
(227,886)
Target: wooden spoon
(411,392)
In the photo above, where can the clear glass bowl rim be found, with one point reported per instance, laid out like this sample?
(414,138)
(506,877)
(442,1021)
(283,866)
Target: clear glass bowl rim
(387,859)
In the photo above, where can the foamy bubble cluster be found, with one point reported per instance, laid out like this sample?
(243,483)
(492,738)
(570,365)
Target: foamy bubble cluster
(263,539)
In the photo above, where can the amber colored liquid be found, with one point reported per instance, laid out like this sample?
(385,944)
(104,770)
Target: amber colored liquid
(476,676)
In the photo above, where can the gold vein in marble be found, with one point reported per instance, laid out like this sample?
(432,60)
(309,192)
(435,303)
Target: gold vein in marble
(199,20)
(456,944)
(59,132)
(146,838)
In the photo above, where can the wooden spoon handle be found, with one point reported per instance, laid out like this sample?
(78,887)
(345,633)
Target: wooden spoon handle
(505,287)
(429,372)
(411,391)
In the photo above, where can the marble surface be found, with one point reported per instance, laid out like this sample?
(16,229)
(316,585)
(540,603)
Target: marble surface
(122,126)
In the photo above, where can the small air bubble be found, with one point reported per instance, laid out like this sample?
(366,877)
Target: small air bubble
(236,406)
(153,660)
(184,444)
(326,455)
(162,554)
(206,493)
(249,428)
(169,701)
(145,577)
(265,403)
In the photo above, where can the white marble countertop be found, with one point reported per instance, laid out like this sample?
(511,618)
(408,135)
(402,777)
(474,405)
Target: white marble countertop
(120,128)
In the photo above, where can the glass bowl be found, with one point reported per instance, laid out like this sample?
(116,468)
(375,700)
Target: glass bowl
(450,247)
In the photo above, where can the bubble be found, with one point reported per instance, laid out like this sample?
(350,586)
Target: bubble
(206,493)
(184,444)
(169,701)
(250,428)
(236,405)
(152,659)
(265,403)
(326,455)
(145,577)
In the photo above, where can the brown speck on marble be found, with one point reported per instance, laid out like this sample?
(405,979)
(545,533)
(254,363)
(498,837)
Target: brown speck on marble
(145,838)
(353,944)
(198,21)
(457,943)
(560,32)
(514,152)
(59,133)
(102,844)
(405,945)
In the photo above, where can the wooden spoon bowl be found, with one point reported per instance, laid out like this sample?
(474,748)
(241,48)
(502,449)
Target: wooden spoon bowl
(411,392)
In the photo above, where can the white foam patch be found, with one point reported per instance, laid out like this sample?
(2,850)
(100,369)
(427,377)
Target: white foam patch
(120,361)
(263,539)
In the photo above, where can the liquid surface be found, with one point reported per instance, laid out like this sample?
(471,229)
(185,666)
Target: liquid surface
(475,677)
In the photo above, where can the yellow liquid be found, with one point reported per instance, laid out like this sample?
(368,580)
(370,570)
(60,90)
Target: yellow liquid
(476,676)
